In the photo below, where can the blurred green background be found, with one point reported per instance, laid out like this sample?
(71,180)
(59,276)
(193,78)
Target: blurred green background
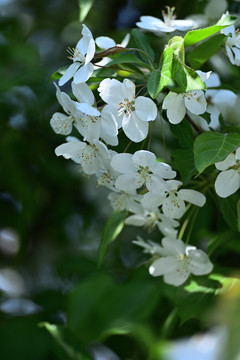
(51,218)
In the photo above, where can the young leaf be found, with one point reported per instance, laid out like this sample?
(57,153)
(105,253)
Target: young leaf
(177,45)
(166,69)
(184,162)
(186,78)
(194,36)
(112,229)
(199,55)
(84,8)
(144,45)
(212,147)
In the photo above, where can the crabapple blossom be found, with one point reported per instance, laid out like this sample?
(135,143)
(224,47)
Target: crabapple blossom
(81,55)
(177,261)
(173,200)
(228,180)
(178,104)
(133,113)
(124,201)
(169,24)
(91,157)
(232,44)
(140,169)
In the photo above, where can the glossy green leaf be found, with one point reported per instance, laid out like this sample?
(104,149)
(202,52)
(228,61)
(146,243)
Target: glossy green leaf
(84,8)
(166,69)
(183,132)
(184,162)
(127,58)
(186,78)
(195,36)
(199,55)
(212,147)
(153,83)
(112,229)
(64,343)
(144,45)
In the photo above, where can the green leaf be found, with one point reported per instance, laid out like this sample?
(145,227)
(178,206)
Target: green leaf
(84,8)
(65,345)
(229,210)
(198,56)
(194,36)
(177,45)
(221,240)
(212,147)
(153,83)
(127,58)
(186,78)
(99,306)
(184,162)
(183,132)
(112,229)
(144,45)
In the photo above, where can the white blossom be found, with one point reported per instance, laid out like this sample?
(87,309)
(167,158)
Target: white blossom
(81,55)
(124,201)
(232,44)
(140,169)
(177,261)
(132,114)
(178,104)
(228,180)
(169,24)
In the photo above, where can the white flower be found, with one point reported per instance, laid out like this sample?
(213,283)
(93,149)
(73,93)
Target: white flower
(82,68)
(132,114)
(169,24)
(105,42)
(140,169)
(178,104)
(228,180)
(173,201)
(178,261)
(124,201)
(232,44)
(91,157)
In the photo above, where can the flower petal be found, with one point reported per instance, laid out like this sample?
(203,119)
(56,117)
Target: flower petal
(69,73)
(105,42)
(175,106)
(84,73)
(195,102)
(134,128)
(143,157)
(227,183)
(163,265)
(200,263)
(123,163)
(192,196)
(146,109)
(61,123)
(83,93)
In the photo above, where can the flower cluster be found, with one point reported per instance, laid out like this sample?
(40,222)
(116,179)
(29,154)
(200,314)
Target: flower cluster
(140,183)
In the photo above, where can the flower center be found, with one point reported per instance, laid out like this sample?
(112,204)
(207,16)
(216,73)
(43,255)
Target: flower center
(105,179)
(88,154)
(169,16)
(76,55)
(126,106)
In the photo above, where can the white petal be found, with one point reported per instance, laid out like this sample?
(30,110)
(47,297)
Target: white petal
(151,200)
(195,102)
(173,207)
(69,73)
(145,108)
(162,169)
(90,51)
(192,196)
(204,76)
(227,183)
(135,129)
(163,265)
(83,93)
(61,123)
(182,25)
(110,91)
(200,263)
(126,183)
(176,110)
(128,89)
(143,157)
(227,163)
(105,42)
(125,40)
(135,220)
(173,247)
(213,80)
(83,43)
(238,153)
(176,278)
(84,73)
(87,109)
(123,163)
(70,150)
(108,123)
